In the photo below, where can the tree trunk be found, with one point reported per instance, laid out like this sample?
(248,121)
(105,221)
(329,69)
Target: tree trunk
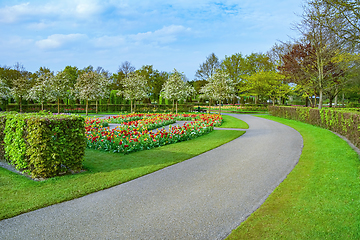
(220,107)
(96,106)
(330,101)
(320,98)
(42,106)
(131,105)
(343,99)
(58,103)
(20,104)
(209,105)
(135,105)
(336,100)
(172,110)
(86,107)
(176,106)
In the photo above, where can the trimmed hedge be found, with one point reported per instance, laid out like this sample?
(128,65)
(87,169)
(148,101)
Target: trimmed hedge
(80,108)
(339,121)
(43,145)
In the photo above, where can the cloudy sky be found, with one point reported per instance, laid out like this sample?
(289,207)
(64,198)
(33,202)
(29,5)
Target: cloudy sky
(166,34)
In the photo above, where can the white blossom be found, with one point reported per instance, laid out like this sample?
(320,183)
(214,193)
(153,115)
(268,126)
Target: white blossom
(219,87)
(41,90)
(5,91)
(135,88)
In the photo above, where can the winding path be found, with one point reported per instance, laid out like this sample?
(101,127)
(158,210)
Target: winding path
(205,197)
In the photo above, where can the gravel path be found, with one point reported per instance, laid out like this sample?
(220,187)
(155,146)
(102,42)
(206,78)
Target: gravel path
(205,197)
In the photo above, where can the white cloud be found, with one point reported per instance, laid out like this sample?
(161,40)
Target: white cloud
(58,40)
(53,9)
(109,41)
(12,13)
(165,35)
(86,8)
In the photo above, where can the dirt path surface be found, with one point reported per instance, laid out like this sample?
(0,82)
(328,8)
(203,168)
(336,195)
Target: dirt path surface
(205,197)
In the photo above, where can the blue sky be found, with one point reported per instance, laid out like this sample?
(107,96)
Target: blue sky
(166,34)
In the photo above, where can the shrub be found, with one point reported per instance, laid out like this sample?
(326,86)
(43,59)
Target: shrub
(345,123)
(44,145)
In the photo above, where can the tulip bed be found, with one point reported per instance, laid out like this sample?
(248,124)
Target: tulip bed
(134,132)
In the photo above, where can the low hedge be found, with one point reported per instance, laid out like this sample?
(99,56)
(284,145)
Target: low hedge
(345,123)
(80,108)
(43,145)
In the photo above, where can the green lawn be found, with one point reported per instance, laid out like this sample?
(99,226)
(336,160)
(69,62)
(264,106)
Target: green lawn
(320,198)
(233,122)
(18,194)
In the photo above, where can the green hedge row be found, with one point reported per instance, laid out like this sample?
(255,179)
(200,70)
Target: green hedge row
(342,122)
(43,145)
(80,108)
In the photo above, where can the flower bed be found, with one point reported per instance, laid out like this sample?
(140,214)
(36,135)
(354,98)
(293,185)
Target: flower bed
(237,108)
(135,135)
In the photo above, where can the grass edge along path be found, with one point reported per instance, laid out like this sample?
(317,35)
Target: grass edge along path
(18,194)
(233,122)
(319,199)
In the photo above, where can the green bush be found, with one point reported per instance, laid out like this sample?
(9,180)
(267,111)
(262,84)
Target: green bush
(43,145)
(2,134)
(345,123)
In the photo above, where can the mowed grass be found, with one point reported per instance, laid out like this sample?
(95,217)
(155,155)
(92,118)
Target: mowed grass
(233,122)
(19,194)
(320,198)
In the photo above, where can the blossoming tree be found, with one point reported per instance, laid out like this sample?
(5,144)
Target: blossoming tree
(20,88)
(219,87)
(40,91)
(92,86)
(135,88)
(176,88)
(4,91)
(60,87)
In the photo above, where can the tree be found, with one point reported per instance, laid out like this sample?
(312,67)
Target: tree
(8,75)
(91,86)
(155,80)
(176,88)
(40,91)
(60,87)
(20,88)
(126,68)
(267,83)
(219,87)
(135,88)
(116,80)
(5,91)
(234,66)
(102,71)
(72,73)
(208,68)
(198,84)
(239,68)
(342,18)
(324,46)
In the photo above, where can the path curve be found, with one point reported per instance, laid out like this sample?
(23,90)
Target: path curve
(205,197)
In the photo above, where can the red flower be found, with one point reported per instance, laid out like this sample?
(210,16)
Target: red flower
(126,145)
(120,143)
